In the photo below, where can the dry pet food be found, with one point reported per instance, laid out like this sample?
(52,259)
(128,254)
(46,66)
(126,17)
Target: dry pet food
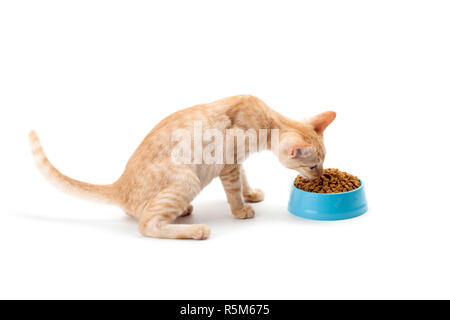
(332,181)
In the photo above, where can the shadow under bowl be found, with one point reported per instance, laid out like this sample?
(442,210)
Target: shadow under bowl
(327,206)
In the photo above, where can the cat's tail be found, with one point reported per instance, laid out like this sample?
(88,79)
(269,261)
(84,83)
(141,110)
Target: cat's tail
(104,193)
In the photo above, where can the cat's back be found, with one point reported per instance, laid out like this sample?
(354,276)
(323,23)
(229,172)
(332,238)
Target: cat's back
(211,114)
(221,115)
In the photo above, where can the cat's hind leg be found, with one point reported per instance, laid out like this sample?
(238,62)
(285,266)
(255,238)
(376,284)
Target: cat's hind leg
(187,211)
(166,206)
(250,195)
(231,181)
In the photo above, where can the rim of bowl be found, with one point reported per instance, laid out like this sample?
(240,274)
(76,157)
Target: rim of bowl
(329,194)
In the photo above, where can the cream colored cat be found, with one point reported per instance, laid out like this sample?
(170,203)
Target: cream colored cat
(156,190)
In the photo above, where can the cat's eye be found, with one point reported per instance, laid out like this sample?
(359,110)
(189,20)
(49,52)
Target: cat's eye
(313,167)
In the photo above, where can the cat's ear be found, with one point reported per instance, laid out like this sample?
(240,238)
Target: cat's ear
(301,150)
(322,121)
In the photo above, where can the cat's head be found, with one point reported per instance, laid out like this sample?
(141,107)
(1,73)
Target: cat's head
(301,145)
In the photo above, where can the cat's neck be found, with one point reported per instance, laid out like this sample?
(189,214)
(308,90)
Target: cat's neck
(249,112)
(279,124)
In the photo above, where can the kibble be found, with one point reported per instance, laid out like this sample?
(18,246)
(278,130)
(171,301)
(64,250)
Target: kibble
(332,181)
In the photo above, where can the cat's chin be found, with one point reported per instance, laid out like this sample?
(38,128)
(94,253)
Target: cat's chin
(305,176)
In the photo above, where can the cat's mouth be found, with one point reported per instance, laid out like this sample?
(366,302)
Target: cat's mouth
(307,176)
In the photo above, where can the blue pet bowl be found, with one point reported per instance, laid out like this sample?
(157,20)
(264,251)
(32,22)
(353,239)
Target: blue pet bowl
(327,206)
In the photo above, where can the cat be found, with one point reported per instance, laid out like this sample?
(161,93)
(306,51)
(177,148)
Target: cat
(155,190)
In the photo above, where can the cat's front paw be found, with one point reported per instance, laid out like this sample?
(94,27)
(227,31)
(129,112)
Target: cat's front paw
(256,196)
(245,213)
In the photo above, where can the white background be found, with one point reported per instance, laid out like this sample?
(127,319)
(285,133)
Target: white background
(93,78)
